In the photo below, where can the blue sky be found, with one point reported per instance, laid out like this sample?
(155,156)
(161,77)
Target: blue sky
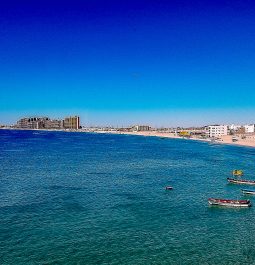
(122,62)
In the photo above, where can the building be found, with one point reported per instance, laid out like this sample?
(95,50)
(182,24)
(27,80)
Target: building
(32,123)
(184,133)
(47,123)
(53,124)
(216,130)
(72,123)
(249,128)
(140,128)
(22,123)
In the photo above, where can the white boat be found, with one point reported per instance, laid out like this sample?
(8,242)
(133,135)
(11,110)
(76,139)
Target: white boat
(251,192)
(229,203)
(241,181)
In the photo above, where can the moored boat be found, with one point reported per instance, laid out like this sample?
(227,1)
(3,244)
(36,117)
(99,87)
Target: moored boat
(241,181)
(229,203)
(251,192)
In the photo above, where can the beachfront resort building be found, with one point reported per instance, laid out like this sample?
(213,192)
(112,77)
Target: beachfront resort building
(216,130)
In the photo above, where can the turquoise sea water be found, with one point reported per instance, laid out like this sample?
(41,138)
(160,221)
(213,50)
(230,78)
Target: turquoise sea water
(77,198)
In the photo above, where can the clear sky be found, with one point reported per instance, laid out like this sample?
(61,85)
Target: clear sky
(120,62)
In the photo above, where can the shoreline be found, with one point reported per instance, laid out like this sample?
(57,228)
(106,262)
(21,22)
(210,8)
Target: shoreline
(223,141)
(226,140)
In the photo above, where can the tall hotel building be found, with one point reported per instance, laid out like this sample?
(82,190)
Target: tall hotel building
(72,123)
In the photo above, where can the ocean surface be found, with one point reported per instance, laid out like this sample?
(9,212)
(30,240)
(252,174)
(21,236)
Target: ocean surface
(80,198)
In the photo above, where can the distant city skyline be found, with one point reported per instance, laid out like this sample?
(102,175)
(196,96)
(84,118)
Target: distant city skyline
(153,118)
(162,63)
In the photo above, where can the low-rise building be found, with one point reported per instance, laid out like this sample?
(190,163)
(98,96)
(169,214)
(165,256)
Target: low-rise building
(216,130)
(184,133)
(249,128)
(140,128)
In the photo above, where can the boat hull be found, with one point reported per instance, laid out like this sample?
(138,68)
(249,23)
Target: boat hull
(250,192)
(241,182)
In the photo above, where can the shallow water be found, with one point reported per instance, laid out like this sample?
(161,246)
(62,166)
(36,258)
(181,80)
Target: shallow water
(80,198)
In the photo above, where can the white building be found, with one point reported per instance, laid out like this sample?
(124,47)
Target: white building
(249,128)
(217,130)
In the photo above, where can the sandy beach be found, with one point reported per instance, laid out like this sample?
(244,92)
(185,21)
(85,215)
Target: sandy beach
(249,140)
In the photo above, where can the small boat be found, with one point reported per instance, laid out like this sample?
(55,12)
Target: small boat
(229,203)
(169,188)
(237,172)
(251,192)
(241,181)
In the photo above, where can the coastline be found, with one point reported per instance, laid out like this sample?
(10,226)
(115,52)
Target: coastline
(226,140)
